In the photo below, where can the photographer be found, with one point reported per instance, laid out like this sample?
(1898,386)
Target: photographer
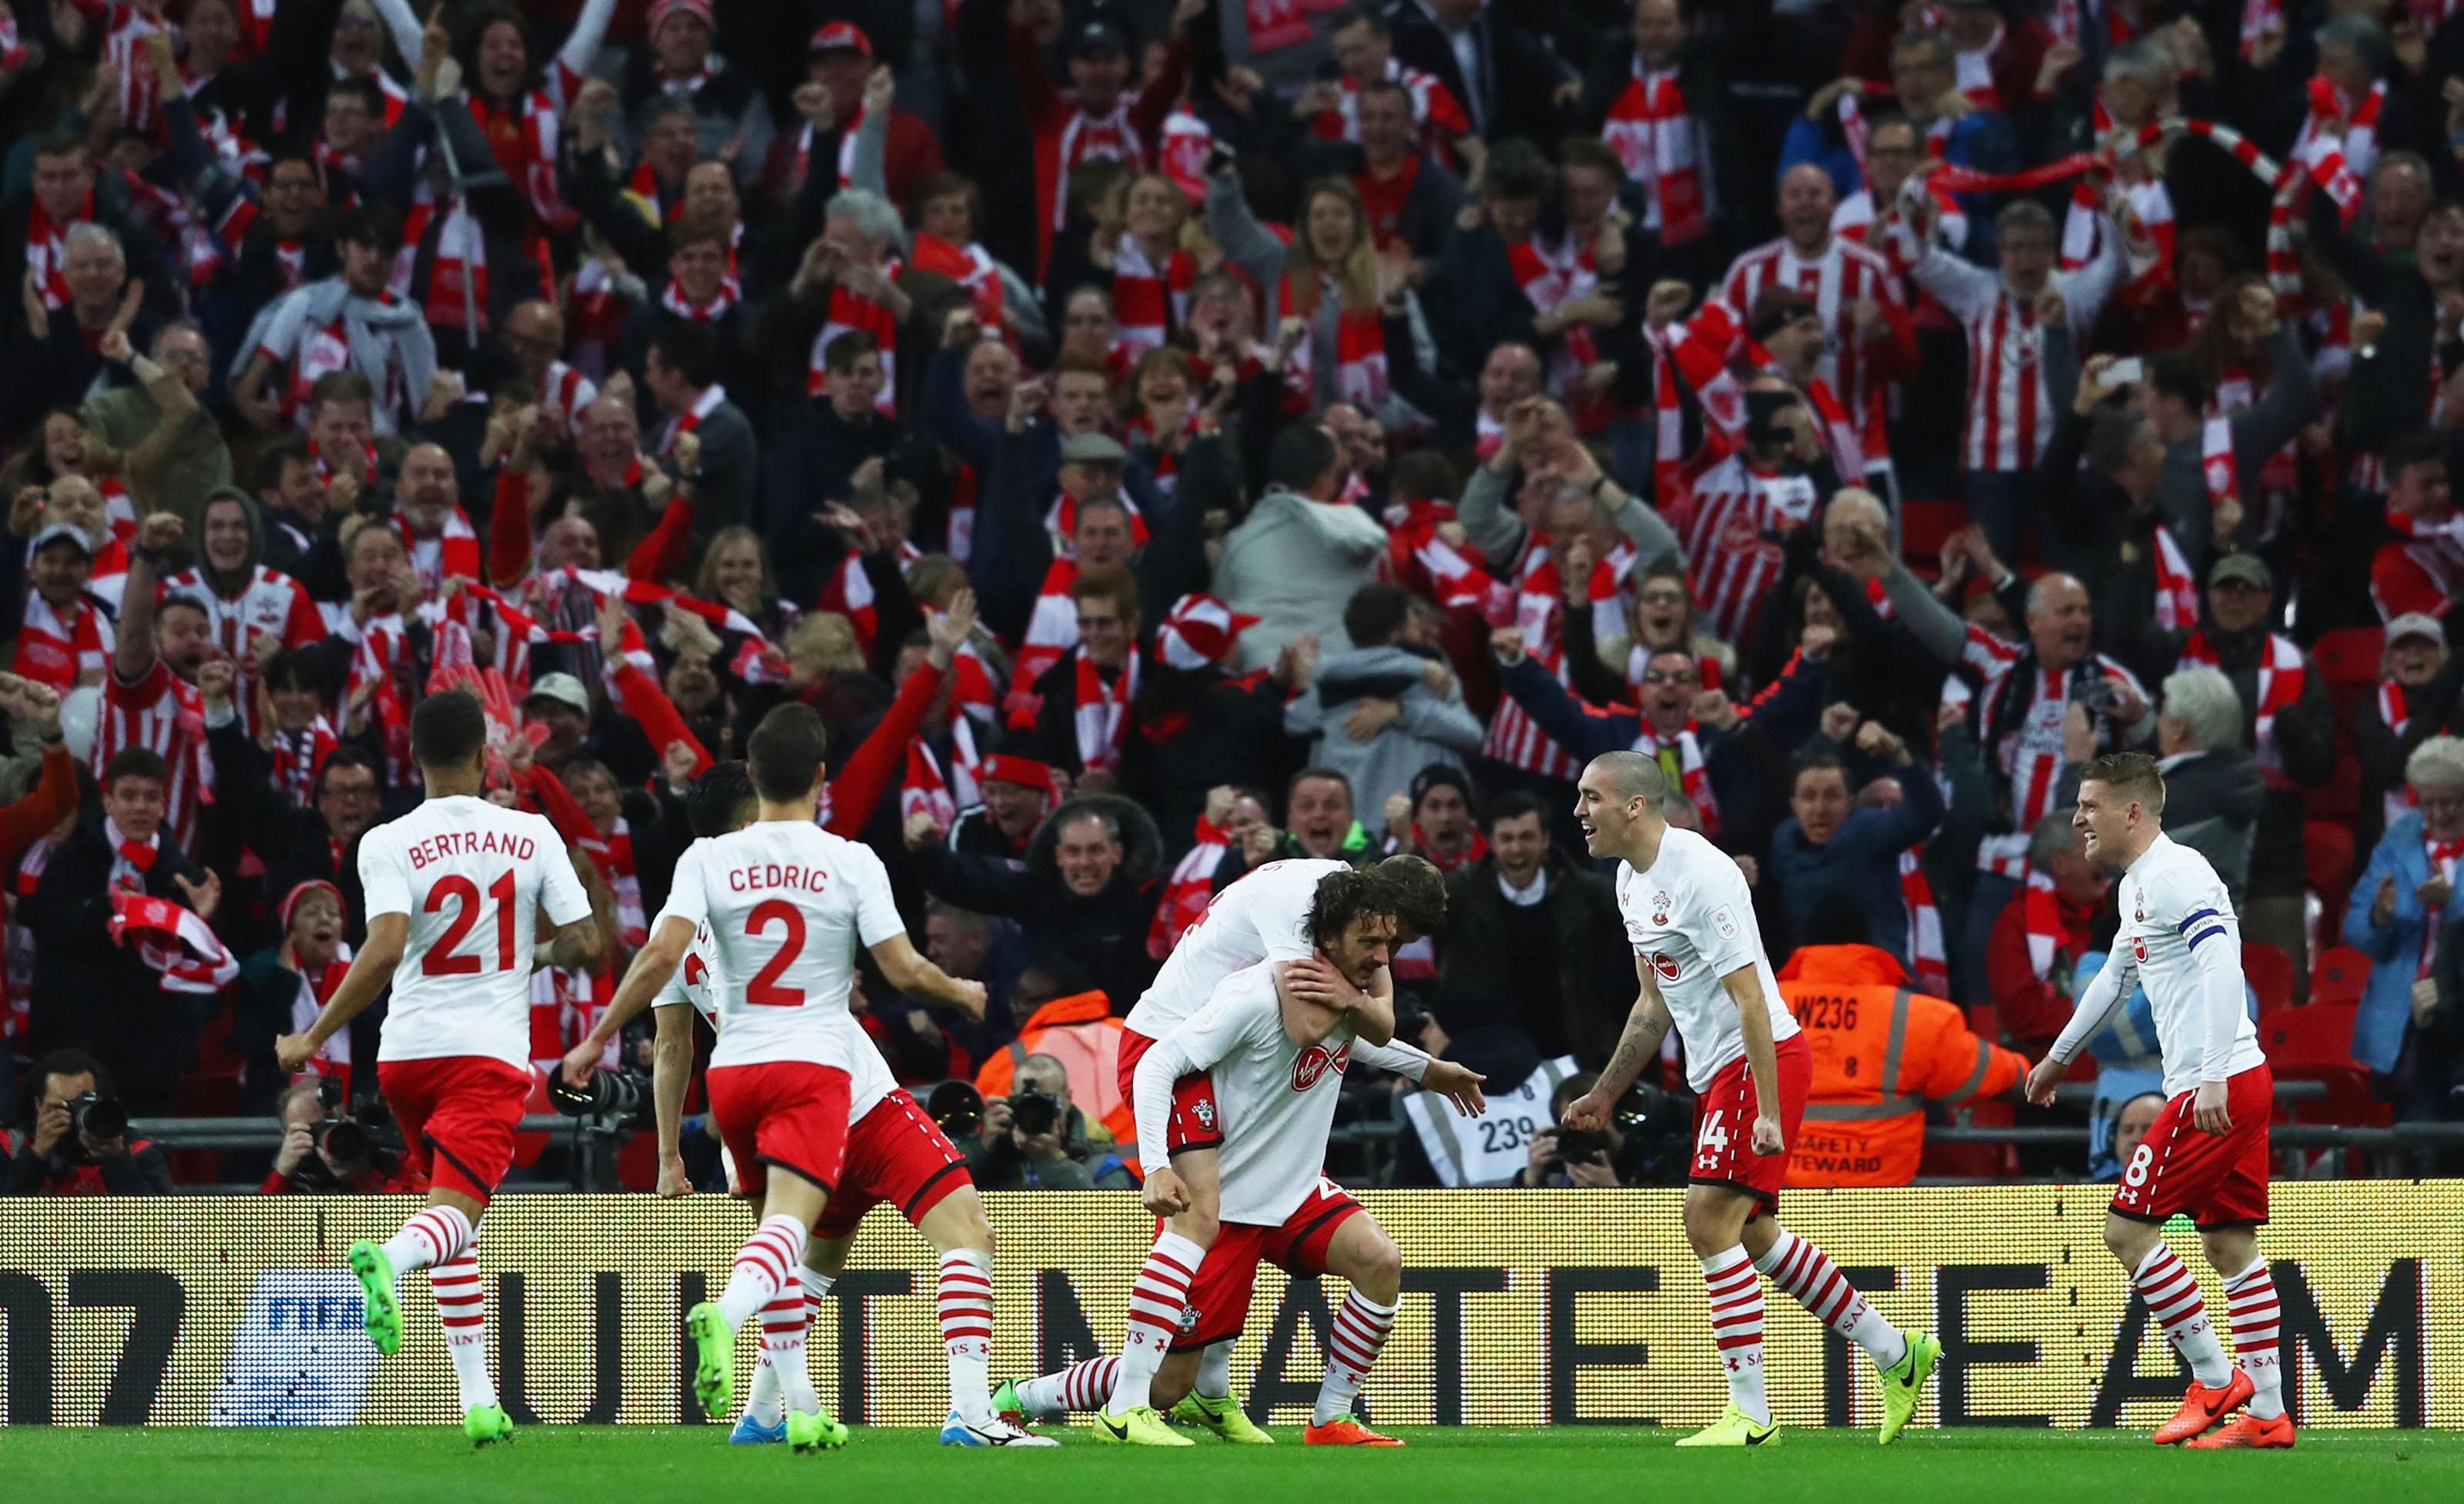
(1611,1156)
(77,1143)
(326,1150)
(1034,1140)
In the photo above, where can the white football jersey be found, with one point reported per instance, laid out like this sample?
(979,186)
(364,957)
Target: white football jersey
(2173,908)
(786,905)
(472,877)
(1691,919)
(1277,1099)
(1262,916)
(868,1078)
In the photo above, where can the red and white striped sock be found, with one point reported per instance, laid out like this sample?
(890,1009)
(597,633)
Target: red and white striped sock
(434,1235)
(2172,1296)
(1155,1303)
(783,1350)
(1809,1277)
(462,1306)
(1736,1293)
(1080,1386)
(763,1267)
(1352,1348)
(2251,1305)
(966,1297)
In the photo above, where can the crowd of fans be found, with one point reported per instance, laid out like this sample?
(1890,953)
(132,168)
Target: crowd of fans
(1161,438)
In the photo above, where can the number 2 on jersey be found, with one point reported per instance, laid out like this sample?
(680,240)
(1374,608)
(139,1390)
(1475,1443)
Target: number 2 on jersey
(763,990)
(444,959)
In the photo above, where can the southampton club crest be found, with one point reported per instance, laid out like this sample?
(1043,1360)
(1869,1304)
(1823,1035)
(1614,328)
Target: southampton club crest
(1204,1112)
(1659,908)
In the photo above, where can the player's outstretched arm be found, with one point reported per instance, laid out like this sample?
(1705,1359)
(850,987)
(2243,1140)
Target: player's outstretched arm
(671,1058)
(2104,996)
(1745,988)
(652,967)
(371,973)
(1644,1029)
(1457,1084)
(911,974)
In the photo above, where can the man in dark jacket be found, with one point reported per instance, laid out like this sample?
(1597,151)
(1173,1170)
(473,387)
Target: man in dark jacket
(1513,86)
(60,1155)
(1087,893)
(1525,923)
(91,992)
(1657,44)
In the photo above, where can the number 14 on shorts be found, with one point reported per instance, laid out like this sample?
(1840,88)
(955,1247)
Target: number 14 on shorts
(1711,1143)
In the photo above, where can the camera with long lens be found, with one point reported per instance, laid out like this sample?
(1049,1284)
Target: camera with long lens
(616,1093)
(1032,1111)
(96,1115)
(956,1107)
(339,1140)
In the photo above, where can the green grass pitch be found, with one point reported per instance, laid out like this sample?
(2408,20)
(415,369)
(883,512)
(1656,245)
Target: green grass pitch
(654,1465)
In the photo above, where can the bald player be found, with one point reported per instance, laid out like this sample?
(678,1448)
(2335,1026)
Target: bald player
(1704,972)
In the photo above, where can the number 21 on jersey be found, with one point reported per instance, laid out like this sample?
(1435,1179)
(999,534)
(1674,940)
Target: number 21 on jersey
(445,958)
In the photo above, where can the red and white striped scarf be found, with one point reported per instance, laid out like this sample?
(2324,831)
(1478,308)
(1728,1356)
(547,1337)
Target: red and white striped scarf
(848,313)
(298,758)
(124,47)
(672,298)
(1359,354)
(1148,302)
(375,682)
(1139,434)
(1182,151)
(46,251)
(2041,917)
(926,790)
(690,419)
(972,267)
(2177,588)
(533,162)
(2341,164)
(1681,761)
(565,1005)
(1113,135)
(849,592)
(1535,605)
(1926,949)
(325,473)
(56,651)
(1653,135)
(614,854)
(461,252)
(2397,802)
(1189,890)
(172,941)
(451,555)
(1458,579)
(2281,678)
(1051,631)
(1102,714)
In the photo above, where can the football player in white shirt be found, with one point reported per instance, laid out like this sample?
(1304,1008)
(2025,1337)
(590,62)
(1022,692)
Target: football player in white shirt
(1278,1094)
(2206,1153)
(786,905)
(895,1154)
(1264,917)
(1700,957)
(455,889)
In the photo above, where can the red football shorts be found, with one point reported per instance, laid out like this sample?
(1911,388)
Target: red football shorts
(792,1114)
(2221,1180)
(1724,1126)
(457,1115)
(1194,1123)
(1219,1295)
(898,1154)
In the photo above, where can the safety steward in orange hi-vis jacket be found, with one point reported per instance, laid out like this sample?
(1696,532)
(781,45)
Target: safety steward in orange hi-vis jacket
(1081,1032)
(1882,1050)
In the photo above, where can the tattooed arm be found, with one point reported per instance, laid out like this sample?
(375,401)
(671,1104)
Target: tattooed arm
(1644,1029)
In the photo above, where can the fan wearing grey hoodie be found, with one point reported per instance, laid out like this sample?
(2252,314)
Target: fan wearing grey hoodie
(1384,708)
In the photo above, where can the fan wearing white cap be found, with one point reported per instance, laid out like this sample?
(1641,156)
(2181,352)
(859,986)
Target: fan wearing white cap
(2415,700)
(683,63)
(65,637)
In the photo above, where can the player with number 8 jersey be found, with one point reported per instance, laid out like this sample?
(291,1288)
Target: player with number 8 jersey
(1699,960)
(454,890)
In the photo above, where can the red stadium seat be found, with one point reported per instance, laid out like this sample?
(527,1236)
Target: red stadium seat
(2340,799)
(2270,974)
(1922,528)
(2349,655)
(2327,867)
(2316,1044)
(2339,978)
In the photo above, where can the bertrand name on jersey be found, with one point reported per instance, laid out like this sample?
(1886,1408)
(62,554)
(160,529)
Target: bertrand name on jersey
(773,875)
(470,843)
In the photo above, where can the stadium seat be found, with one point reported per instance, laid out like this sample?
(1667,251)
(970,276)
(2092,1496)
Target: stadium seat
(2270,974)
(2339,978)
(1922,528)
(2316,1044)
(2349,655)
(2340,798)
(2327,866)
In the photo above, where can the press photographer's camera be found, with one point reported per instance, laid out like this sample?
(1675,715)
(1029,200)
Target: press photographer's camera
(1032,1111)
(96,1115)
(617,1094)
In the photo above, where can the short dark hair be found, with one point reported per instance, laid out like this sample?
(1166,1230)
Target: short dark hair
(689,350)
(135,762)
(1320,773)
(65,1062)
(2176,375)
(349,385)
(785,752)
(277,457)
(1343,897)
(1422,474)
(366,91)
(1107,582)
(1513,805)
(1418,891)
(2420,446)
(716,802)
(1838,917)
(292,669)
(1376,611)
(360,228)
(1356,14)
(348,755)
(1300,456)
(448,729)
(844,349)
(1517,171)
(62,143)
(1805,762)
(2132,774)
(703,229)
